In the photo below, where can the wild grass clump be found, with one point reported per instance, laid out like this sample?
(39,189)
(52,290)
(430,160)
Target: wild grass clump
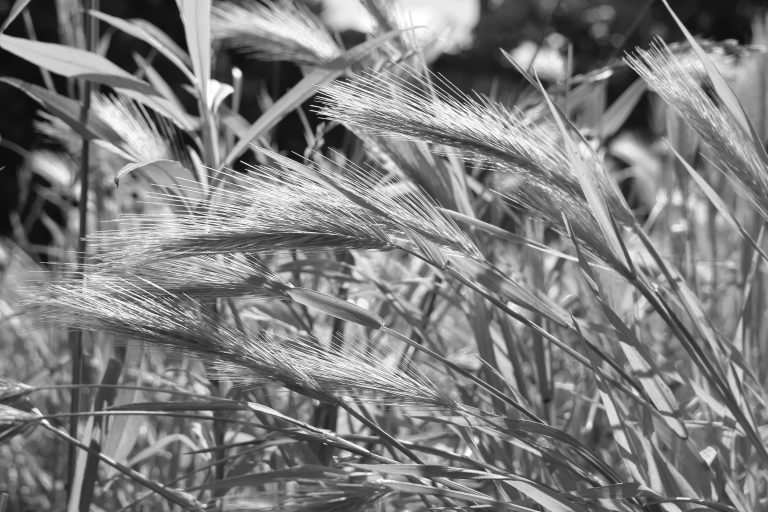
(457,310)
(527,154)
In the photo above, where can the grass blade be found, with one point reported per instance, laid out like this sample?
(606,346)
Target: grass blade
(18,6)
(302,91)
(73,63)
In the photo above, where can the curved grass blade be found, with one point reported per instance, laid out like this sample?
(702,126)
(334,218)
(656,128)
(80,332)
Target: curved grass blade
(73,63)
(18,6)
(196,17)
(140,32)
(66,109)
(585,170)
(337,308)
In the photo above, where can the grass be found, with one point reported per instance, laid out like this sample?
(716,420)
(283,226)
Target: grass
(457,311)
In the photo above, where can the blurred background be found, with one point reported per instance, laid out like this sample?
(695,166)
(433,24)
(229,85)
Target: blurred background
(471,33)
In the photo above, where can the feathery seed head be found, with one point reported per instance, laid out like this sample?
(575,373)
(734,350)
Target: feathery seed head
(15,421)
(274,30)
(227,275)
(265,211)
(271,210)
(12,390)
(153,315)
(532,166)
(734,151)
(409,107)
(401,205)
(141,138)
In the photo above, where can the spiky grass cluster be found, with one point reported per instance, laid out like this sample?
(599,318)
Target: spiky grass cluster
(201,277)
(190,278)
(262,212)
(270,210)
(142,137)
(734,150)
(408,106)
(132,312)
(533,168)
(402,204)
(274,30)
(126,128)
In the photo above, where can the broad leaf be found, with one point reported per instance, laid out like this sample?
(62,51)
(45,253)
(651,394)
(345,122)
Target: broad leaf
(73,63)
(196,16)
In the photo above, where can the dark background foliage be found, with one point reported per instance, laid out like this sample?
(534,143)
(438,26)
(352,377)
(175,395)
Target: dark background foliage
(600,31)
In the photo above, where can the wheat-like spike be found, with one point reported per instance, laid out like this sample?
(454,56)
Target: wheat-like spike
(127,127)
(274,30)
(393,105)
(129,311)
(142,138)
(403,204)
(270,210)
(12,390)
(263,211)
(200,277)
(11,417)
(529,155)
(733,150)
(349,372)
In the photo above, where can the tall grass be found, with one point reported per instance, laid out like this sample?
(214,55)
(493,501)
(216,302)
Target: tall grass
(458,311)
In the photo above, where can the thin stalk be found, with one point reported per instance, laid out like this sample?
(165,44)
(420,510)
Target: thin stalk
(168,494)
(480,382)
(697,353)
(386,438)
(326,415)
(553,339)
(30,26)
(76,335)
(391,443)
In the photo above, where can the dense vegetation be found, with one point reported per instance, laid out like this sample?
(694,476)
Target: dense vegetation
(454,309)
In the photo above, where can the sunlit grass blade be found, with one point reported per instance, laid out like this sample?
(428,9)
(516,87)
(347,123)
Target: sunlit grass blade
(638,356)
(588,171)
